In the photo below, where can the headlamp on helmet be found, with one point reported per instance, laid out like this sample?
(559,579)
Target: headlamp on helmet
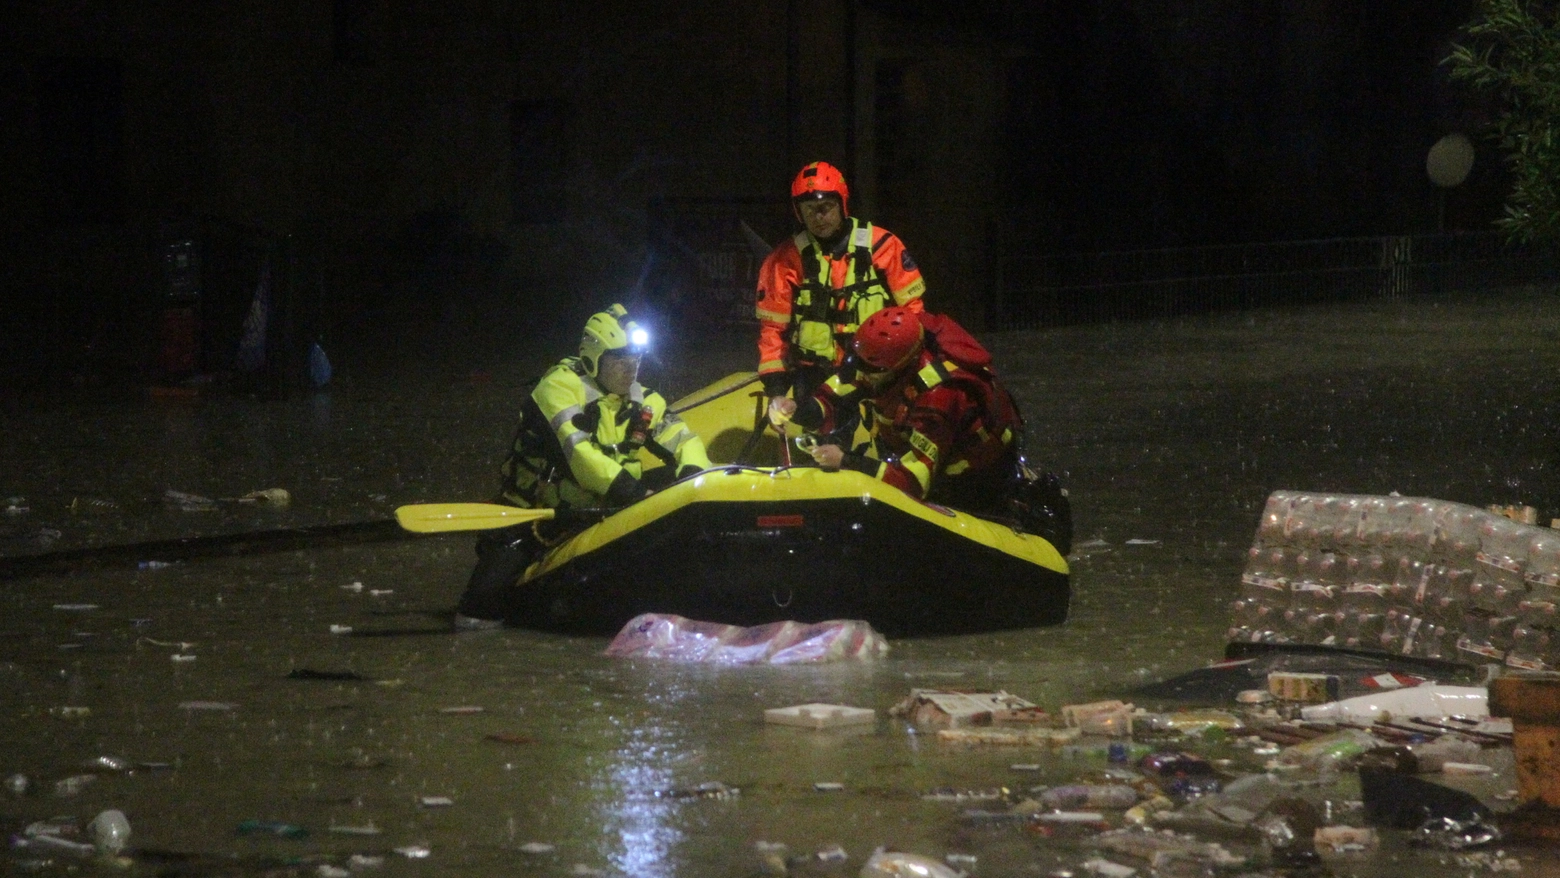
(611,330)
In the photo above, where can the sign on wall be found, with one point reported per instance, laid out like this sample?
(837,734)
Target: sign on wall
(705,254)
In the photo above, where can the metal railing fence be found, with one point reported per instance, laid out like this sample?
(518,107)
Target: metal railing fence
(1079,288)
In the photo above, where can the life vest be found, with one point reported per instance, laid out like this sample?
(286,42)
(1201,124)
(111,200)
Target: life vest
(952,355)
(537,470)
(823,316)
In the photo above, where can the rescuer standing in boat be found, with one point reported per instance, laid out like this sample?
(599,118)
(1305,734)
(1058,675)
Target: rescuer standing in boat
(577,446)
(816,288)
(944,428)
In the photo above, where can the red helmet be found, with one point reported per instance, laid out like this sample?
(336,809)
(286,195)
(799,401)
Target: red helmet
(889,339)
(820,180)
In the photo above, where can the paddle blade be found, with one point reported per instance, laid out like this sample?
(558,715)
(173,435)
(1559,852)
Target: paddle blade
(430,518)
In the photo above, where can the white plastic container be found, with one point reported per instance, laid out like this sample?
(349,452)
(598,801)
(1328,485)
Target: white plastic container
(820,716)
(1430,699)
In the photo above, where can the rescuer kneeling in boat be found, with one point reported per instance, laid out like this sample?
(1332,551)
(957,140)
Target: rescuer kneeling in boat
(944,429)
(577,446)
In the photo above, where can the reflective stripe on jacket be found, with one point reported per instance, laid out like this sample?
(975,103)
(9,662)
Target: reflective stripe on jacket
(938,421)
(810,302)
(574,438)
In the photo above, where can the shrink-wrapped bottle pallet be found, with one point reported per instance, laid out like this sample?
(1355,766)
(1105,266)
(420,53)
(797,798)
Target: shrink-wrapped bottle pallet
(1405,575)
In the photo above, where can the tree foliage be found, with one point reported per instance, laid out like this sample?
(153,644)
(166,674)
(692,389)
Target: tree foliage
(1510,50)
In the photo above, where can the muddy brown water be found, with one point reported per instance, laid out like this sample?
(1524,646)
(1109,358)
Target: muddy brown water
(1171,435)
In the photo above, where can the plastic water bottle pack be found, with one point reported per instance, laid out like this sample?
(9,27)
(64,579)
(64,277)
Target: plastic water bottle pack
(1408,575)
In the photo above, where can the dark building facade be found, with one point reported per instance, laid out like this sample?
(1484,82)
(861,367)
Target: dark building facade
(482,163)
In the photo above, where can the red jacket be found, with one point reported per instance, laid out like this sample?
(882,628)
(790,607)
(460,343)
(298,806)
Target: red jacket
(939,422)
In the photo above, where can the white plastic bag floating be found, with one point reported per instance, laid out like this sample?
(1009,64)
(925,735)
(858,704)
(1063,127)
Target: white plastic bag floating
(664,636)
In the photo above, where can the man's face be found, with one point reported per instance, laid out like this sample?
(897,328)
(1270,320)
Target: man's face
(822,216)
(617,371)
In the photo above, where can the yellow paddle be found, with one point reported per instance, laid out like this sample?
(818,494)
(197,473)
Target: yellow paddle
(432,518)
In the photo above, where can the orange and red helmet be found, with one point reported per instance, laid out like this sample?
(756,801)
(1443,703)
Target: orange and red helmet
(820,180)
(889,340)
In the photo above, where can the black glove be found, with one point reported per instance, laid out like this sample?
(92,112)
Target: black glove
(776,383)
(688,470)
(625,490)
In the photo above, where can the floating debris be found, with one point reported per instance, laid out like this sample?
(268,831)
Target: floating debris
(272,827)
(74,784)
(1107,869)
(708,790)
(831,854)
(109,763)
(949,794)
(413,851)
(820,716)
(171,644)
(266,497)
(897,864)
(54,844)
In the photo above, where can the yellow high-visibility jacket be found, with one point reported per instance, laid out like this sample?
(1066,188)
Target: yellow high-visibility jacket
(578,445)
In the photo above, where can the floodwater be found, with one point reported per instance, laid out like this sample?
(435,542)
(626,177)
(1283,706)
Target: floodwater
(1171,435)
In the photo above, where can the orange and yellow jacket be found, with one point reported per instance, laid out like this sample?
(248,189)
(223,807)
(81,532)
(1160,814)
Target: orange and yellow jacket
(810,302)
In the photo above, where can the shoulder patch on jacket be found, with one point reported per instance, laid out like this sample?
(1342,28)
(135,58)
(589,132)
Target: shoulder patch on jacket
(905,261)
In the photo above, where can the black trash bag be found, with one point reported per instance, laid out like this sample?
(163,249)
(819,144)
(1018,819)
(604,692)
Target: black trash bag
(1405,801)
(1041,506)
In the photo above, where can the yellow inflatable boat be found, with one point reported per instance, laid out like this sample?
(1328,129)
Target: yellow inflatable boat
(759,541)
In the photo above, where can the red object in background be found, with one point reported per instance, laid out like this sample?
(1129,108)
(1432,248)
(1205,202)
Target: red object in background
(179,350)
